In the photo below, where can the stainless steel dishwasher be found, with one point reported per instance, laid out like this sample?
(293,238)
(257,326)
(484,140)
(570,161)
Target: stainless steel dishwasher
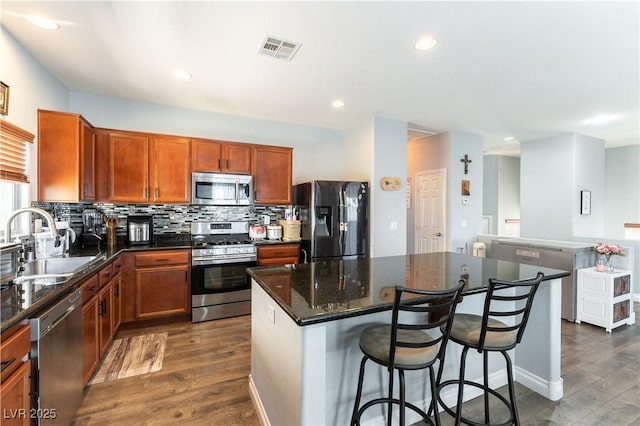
(56,359)
(563,255)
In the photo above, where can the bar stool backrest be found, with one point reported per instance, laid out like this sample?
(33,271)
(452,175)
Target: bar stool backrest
(521,293)
(426,311)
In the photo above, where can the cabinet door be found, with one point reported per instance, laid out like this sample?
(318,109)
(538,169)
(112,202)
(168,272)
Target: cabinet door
(87,161)
(58,156)
(170,169)
(105,310)
(206,155)
(271,168)
(162,291)
(117,302)
(236,158)
(128,167)
(90,341)
(15,401)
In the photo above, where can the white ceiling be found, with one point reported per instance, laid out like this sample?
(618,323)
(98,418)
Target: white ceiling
(522,69)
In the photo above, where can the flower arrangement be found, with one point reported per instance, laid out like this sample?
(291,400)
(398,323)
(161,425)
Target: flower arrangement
(607,250)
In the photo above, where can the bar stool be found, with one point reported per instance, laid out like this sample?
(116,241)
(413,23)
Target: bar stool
(487,334)
(414,340)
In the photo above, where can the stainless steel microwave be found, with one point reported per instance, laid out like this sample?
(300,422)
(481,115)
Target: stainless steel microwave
(221,189)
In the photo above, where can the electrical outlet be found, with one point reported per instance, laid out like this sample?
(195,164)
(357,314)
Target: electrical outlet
(271,313)
(465,201)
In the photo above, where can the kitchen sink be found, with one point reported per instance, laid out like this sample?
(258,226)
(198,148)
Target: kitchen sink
(57,269)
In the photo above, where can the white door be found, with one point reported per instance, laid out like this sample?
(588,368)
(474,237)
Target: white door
(430,211)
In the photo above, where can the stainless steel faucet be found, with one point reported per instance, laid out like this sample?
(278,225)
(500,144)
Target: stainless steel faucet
(52,223)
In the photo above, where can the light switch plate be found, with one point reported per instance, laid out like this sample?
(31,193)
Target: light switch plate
(271,313)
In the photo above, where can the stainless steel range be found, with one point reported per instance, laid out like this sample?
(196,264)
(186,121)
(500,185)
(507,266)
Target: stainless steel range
(220,286)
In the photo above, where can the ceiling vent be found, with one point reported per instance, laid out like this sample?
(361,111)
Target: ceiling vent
(278,48)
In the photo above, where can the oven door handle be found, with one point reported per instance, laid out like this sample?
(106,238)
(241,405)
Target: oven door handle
(205,260)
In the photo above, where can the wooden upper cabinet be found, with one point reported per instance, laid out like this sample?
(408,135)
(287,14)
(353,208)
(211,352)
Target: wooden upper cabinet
(143,168)
(218,156)
(272,170)
(170,169)
(128,167)
(66,157)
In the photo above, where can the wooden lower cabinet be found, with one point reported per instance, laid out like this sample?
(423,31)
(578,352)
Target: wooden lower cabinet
(100,317)
(15,378)
(155,285)
(278,254)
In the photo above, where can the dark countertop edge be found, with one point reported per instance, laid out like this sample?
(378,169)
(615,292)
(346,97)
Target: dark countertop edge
(68,286)
(273,242)
(327,317)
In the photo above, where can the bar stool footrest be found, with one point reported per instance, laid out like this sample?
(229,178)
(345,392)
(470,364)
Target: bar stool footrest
(467,421)
(377,401)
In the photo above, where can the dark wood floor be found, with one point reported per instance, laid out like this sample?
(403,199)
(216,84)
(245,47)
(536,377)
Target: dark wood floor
(203,381)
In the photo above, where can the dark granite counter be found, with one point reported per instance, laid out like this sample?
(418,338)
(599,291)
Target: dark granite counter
(22,301)
(329,290)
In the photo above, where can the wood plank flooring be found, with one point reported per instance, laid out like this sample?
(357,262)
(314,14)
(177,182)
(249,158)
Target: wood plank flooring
(204,381)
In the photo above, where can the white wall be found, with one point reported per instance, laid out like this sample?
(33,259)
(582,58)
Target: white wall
(464,221)
(30,87)
(622,188)
(553,171)
(389,219)
(314,148)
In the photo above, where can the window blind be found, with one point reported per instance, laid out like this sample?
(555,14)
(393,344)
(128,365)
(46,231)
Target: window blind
(14,152)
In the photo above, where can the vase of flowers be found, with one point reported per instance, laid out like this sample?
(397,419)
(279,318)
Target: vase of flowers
(606,250)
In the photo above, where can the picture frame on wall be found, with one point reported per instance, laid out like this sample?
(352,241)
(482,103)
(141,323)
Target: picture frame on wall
(4,98)
(585,202)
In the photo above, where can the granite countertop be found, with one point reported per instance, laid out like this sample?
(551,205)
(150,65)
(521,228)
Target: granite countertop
(22,301)
(329,290)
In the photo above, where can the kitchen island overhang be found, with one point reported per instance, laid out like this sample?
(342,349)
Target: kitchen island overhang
(306,322)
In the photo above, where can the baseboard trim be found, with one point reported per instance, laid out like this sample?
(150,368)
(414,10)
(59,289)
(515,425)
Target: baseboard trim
(550,390)
(257,403)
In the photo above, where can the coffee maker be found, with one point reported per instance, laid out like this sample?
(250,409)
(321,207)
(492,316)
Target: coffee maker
(139,229)
(91,222)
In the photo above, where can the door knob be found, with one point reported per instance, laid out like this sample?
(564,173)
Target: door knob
(439,234)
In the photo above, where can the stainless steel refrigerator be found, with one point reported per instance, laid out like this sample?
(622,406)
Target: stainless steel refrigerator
(334,219)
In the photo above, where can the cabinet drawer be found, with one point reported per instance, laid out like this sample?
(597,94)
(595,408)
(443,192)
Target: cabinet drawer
(117,266)
(13,349)
(162,258)
(278,251)
(90,288)
(105,274)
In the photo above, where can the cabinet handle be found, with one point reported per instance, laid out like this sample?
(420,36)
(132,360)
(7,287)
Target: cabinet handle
(6,364)
(104,306)
(219,163)
(157,191)
(163,260)
(227,163)
(146,191)
(100,313)
(117,290)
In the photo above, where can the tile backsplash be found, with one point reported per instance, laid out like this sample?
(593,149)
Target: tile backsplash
(167,218)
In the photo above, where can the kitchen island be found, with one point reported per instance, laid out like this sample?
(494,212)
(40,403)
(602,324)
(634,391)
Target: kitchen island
(306,322)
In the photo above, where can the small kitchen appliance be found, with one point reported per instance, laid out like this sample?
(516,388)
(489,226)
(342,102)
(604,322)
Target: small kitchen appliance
(274,232)
(91,222)
(139,230)
(221,189)
(257,231)
(220,286)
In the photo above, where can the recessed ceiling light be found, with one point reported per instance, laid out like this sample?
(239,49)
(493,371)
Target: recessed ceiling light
(425,43)
(182,75)
(338,103)
(509,138)
(601,119)
(43,22)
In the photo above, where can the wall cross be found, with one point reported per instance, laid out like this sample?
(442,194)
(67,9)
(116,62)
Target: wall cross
(466,162)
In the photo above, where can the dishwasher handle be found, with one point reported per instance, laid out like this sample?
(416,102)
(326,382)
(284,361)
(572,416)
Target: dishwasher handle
(70,304)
